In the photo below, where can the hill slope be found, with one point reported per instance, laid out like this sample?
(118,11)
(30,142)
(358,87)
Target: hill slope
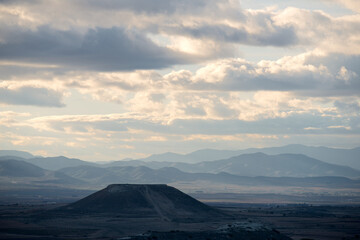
(17,168)
(19,173)
(141,200)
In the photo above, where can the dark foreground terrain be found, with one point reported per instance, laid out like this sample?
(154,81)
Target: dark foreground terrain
(34,222)
(159,211)
(130,211)
(247,221)
(304,222)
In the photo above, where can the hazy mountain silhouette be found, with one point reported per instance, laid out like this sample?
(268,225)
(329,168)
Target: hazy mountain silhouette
(17,172)
(142,200)
(168,156)
(16,168)
(97,176)
(193,157)
(256,164)
(26,180)
(348,157)
(56,163)
(91,174)
(127,174)
(259,164)
(283,165)
(16,153)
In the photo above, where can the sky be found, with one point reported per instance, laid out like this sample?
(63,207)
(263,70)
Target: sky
(107,80)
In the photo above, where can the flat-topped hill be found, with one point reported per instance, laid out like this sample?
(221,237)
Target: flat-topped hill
(144,200)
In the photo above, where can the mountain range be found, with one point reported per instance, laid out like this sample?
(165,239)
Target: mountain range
(141,175)
(15,153)
(15,173)
(257,164)
(254,164)
(49,163)
(25,175)
(346,157)
(144,200)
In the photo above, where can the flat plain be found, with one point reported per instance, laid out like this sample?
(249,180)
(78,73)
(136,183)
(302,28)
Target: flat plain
(297,221)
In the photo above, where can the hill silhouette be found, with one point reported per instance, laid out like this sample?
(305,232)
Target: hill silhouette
(15,172)
(144,200)
(15,153)
(17,168)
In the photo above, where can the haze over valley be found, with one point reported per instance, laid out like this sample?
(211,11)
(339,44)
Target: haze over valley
(50,190)
(288,174)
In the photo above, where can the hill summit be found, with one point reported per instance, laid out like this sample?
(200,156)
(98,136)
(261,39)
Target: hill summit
(144,200)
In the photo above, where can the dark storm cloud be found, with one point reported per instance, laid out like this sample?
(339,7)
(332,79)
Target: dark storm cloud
(257,83)
(146,6)
(305,84)
(103,49)
(23,72)
(182,8)
(277,36)
(31,96)
(16,2)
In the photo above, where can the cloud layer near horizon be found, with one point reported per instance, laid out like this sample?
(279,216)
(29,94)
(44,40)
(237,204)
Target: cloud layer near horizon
(176,75)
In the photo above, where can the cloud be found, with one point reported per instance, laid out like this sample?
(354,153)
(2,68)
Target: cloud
(348,107)
(110,8)
(27,95)
(351,4)
(103,49)
(177,75)
(114,132)
(311,74)
(11,118)
(158,112)
(223,25)
(87,125)
(272,27)
(149,7)
(209,91)
(257,29)
(304,74)
(138,128)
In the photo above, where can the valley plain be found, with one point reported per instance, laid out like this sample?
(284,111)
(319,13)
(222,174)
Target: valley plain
(297,221)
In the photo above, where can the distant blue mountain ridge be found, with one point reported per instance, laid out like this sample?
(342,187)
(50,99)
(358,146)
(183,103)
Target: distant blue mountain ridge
(242,162)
